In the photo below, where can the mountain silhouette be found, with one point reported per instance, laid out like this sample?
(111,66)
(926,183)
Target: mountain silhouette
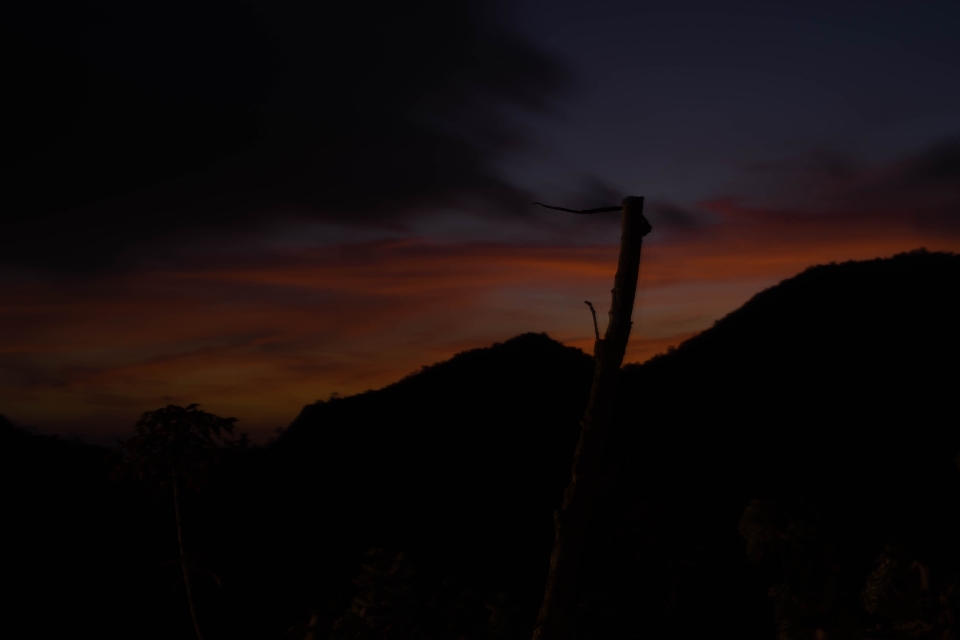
(829,399)
(459,464)
(825,406)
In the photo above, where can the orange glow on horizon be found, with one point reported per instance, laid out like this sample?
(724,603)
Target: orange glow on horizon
(261,339)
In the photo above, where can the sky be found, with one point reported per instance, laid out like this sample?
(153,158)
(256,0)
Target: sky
(256,205)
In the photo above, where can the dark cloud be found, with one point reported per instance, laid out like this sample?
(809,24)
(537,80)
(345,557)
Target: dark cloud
(923,187)
(928,187)
(140,120)
(938,164)
(929,181)
(669,217)
(590,192)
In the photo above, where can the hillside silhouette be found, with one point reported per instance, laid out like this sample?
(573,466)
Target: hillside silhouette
(760,476)
(828,403)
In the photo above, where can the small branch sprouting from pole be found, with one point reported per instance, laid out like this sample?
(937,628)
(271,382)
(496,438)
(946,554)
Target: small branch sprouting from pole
(596,329)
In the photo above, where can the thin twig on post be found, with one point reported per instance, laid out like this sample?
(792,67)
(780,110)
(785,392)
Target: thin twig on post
(596,329)
(570,521)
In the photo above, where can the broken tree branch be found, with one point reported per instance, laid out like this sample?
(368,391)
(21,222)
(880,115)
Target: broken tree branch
(598,210)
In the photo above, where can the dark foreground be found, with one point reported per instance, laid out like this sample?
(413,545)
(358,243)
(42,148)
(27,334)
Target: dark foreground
(791,472)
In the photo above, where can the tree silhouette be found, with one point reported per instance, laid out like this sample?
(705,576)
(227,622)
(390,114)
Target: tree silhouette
(177,448)
(394,601)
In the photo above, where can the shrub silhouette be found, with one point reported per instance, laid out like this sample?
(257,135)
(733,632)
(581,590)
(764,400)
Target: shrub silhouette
(394,601)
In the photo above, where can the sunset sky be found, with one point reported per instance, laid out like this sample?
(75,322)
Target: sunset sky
(254,207)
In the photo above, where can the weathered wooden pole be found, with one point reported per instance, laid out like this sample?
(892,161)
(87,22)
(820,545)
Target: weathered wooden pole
(571,521)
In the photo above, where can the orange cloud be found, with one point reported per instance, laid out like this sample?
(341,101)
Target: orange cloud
(260,338)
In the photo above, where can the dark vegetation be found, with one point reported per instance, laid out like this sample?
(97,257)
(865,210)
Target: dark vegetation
(790,472)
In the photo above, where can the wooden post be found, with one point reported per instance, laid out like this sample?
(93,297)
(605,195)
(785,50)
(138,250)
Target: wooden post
(571,521)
